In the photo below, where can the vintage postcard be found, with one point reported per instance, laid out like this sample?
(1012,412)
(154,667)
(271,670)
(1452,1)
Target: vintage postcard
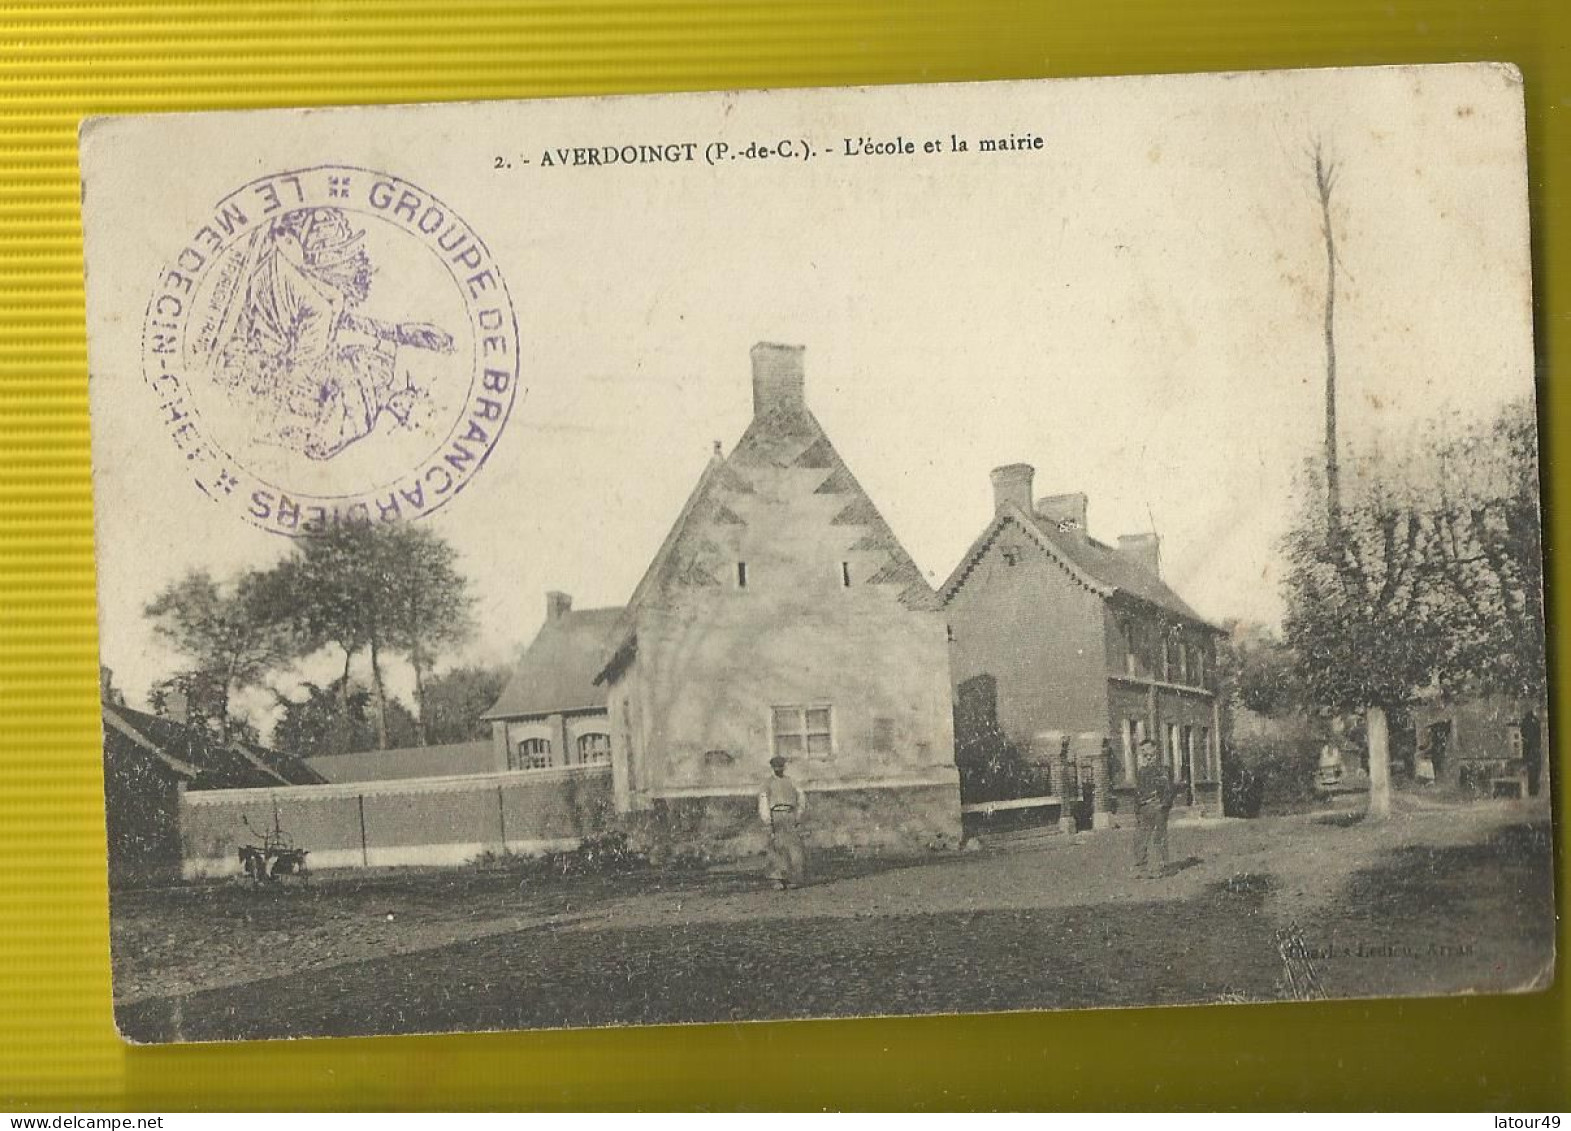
(819,553)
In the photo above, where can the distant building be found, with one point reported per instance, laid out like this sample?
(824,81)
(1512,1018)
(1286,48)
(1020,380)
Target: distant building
(552,712)
(1484,745)
(780,616)
(1074,651)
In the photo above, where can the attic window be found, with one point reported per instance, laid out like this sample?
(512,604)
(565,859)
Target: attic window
(741,575)
(1011,555)
(845,574)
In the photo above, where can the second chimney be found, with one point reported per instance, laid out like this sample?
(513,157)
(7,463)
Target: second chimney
(1066,512)
(1012,485)
(1144,550)
(557,604)
(778,379)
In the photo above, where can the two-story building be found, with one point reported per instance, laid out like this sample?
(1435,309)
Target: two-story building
(1075,650)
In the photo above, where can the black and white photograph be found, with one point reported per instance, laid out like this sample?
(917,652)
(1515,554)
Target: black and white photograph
(780,554)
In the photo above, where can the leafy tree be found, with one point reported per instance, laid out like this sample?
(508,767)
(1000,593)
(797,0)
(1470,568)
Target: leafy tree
(377,588)
(1431,579)
(1259,672)
(1358,615)
(231,635)
(455,700)
(430,604)
(323,584)
(194,699)
(1489,576)
(319,725)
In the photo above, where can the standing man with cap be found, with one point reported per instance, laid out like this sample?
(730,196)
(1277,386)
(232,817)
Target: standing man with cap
(1154,792)
(780,806)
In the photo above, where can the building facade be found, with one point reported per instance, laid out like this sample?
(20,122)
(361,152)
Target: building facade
(1483,745)
(782,616)
(552,713)
(1074,651)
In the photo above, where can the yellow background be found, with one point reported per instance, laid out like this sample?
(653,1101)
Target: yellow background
(58,1048)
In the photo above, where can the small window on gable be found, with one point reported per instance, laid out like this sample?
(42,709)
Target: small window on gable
(845,574)
(741,575)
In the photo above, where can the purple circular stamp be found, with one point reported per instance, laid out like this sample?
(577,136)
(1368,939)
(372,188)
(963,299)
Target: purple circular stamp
(331,345)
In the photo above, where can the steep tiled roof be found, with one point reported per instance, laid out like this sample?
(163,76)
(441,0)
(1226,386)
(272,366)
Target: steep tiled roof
(1093,564)
(1117,571)
(558,671)
(196,757)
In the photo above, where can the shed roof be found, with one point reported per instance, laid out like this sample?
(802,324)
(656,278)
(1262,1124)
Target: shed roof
(196,757)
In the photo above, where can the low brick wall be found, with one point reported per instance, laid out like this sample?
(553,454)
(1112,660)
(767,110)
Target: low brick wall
(897,817)
(414,821)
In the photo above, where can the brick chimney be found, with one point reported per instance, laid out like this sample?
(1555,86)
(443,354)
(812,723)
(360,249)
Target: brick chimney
(778,378)
(557,604)
(1145,550)
(1066,512)
(1012,484)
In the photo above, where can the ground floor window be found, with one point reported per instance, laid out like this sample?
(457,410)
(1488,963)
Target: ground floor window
(802,730)
(594,749)
(531,754)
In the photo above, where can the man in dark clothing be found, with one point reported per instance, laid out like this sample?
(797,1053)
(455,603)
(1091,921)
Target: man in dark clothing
(1154,792)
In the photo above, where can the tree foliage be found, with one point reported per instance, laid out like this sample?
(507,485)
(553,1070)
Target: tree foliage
(381,589)
(1432,579)
(1258,671)
(231,636)
(455,700)
(430,606)
(333,719)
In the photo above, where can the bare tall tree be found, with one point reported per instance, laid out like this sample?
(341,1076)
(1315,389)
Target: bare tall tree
(1325,184)
(1376,729)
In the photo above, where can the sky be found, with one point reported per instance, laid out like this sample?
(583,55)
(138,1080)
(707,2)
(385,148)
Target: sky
(1135,308)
